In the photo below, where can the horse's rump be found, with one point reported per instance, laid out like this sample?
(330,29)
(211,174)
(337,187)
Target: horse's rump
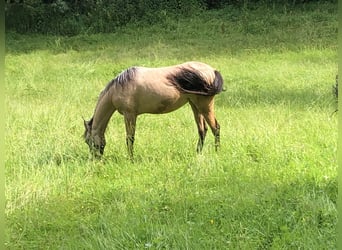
(192,81)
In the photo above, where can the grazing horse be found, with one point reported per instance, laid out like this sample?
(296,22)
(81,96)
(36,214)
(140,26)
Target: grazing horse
(139,90)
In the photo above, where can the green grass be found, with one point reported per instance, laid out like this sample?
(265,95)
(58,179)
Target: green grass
(272,185)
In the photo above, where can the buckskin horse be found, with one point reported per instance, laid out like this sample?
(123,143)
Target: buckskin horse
(139,90)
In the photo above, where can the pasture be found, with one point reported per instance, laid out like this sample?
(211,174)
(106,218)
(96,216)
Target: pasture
(272,185)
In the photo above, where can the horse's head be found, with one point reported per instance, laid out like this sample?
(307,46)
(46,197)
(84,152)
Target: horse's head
(96,143)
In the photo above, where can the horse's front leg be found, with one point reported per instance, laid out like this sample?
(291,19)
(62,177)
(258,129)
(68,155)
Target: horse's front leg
(130,121)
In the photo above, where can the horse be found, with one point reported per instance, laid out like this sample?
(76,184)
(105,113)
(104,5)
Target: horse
(139,90)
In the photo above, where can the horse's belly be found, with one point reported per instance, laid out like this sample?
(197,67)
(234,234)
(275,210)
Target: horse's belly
(161,106)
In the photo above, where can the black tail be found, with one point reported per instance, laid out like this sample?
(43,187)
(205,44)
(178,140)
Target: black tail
(192,82)
(218,82)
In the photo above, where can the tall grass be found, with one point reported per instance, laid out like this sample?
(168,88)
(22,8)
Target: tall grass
(272,184)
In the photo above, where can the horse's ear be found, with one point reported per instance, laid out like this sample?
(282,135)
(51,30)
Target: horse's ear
(90,123)
(87,124)
(84,122)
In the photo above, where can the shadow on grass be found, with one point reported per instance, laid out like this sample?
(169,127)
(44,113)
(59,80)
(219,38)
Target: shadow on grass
(295,98)
(128,216)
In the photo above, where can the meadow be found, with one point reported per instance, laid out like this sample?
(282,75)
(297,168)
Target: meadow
(272,185)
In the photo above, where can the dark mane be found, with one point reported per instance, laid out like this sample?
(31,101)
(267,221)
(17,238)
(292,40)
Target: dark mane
(191,81)
(125,76)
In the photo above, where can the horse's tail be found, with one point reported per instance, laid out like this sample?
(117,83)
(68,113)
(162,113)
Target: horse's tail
(218,82)
(192,81)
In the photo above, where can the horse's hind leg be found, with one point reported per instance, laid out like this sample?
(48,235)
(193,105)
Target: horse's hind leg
(130,121)
(201,126)
(209,115)
(215,127)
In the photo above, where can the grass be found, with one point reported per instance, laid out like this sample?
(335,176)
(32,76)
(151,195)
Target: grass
(273,185)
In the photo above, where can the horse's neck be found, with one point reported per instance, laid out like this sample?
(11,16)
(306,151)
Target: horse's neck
(103,112)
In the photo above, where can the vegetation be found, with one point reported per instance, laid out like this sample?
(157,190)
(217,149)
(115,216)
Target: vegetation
(272,185)
(71,17)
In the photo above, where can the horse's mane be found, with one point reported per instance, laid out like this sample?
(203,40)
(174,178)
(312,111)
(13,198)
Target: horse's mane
(125,76)
(192,81)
